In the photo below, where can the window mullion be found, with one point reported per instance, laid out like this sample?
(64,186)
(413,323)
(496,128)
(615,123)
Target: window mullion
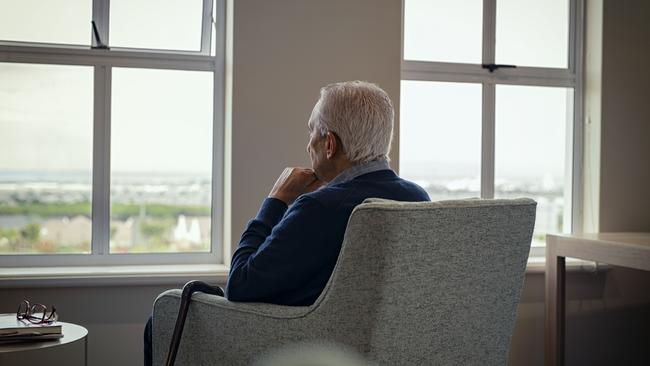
(489,101)
(121,58)
(101,14)
(559,78)
(487,140)
(576,58)
(573,32)
(567,220)
(218,151)
(489,31)
(206,27)
(220,33)
(101,161)
(220,235)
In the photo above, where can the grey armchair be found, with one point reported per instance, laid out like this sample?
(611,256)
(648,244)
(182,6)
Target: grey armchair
(430,283)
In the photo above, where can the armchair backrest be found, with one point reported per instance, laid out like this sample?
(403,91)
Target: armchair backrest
(430,282)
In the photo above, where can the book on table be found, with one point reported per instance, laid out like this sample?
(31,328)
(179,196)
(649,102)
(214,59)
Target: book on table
(14,330)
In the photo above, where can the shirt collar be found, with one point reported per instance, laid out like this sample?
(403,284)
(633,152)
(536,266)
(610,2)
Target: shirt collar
(358,170)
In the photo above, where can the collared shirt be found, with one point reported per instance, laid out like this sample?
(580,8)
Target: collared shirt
(358,170)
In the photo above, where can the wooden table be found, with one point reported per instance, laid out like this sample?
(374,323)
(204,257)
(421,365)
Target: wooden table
(32,353)
(630,250)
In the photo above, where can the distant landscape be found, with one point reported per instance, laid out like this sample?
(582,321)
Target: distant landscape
(51,213)
(154,213)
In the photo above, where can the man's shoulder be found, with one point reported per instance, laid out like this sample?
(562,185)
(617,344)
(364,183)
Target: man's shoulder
(415,188)
(393,184)
(354,192)
(328,195)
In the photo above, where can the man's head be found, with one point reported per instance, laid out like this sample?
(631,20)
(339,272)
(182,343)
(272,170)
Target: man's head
(351,123)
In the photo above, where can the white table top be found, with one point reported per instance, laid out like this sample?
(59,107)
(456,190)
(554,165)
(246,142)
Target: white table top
(71,333)
(621,249)
(634,239)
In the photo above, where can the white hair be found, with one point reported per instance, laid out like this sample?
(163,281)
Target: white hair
(361,115)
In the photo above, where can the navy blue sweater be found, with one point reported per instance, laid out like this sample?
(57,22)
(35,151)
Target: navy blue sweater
(286,255)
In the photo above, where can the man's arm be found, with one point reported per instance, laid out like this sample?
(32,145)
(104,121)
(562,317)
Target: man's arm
(273,257)
(274,249)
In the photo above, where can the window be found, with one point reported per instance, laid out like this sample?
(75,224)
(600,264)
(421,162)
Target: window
(112,140)
(490,103)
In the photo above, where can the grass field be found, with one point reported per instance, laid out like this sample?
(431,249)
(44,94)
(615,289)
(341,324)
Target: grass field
(155,227)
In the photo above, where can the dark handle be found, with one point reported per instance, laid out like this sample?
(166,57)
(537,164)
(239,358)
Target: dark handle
(98,40)
(189,289)
(493,67)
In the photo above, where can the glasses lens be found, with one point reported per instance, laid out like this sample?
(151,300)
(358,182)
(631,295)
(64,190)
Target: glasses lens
(37,313)
(52,316)
(23,309)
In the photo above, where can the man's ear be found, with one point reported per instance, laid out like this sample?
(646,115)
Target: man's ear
(331,145)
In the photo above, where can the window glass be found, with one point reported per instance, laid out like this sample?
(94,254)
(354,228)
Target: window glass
(166,25)
(440,137)
(530,151)
(51,21)
(533,33)
(161,160)
(443,30)
(46,120)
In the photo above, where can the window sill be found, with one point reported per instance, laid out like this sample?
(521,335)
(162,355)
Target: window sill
(171,274)
(537,265)
(111,275)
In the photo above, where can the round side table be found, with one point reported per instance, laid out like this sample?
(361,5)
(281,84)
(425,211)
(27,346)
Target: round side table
(72,334)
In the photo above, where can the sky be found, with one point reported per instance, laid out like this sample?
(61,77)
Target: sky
(162,120)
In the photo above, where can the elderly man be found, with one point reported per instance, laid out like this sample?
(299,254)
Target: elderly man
(288,252)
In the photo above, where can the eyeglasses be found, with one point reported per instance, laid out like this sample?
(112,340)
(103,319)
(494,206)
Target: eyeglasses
(36,313)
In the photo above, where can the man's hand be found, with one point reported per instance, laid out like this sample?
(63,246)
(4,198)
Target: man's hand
(293,182)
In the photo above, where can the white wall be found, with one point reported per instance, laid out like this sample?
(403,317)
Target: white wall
(284,52)
(625,111)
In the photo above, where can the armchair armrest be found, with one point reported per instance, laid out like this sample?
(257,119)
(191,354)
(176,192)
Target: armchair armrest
(233,333)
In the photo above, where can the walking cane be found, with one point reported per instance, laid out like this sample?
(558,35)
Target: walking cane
(189,289)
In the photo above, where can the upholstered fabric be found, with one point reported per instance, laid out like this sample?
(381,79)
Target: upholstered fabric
(427,283)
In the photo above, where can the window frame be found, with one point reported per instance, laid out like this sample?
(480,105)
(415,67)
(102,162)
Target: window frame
(103,60)
(571,77)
